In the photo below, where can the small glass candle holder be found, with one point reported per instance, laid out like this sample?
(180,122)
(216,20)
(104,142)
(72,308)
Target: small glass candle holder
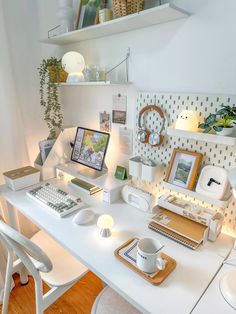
(87,73)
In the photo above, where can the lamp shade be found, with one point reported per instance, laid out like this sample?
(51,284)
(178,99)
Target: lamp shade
(73,63)
(187,120)
(105,222)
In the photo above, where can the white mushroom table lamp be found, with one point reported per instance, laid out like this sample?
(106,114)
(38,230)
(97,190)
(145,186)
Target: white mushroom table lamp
(105,222)
(73,63)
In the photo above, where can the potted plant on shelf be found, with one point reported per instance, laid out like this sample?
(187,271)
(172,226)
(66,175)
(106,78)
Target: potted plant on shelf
(51,73)
(222,122)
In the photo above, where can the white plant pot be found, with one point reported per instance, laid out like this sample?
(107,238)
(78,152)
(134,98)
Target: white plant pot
(135,167)
(226,131)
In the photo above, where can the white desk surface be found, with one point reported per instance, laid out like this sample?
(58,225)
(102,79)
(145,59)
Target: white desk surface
(212,301)
(177,294)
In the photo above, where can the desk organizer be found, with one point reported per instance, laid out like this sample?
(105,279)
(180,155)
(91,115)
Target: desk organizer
(155,279)
(140,170)
(60,149)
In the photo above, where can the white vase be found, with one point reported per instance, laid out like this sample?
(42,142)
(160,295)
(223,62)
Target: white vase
(226,131)
(65,16)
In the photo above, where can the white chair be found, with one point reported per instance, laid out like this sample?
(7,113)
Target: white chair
(108,301)
(45,260)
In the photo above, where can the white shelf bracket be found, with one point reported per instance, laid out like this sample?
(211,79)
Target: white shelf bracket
(126,60)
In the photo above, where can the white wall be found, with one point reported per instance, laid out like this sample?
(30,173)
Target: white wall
(22,29)
(193,55)
(196,54)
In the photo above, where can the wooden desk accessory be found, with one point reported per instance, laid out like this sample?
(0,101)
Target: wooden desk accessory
(155,279)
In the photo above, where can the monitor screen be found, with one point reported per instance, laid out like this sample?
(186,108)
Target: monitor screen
(90,148)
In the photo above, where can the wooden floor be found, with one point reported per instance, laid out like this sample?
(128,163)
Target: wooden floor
(79,299)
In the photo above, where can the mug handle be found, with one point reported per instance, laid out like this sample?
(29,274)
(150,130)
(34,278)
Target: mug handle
(161,263)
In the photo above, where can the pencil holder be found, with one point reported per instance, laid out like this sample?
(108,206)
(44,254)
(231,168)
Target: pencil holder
(135,167)
(149,172)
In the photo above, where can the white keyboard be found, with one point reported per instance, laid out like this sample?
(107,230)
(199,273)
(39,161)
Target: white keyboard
(57,201)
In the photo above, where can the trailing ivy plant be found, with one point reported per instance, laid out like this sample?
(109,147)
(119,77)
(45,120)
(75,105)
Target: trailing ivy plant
(49,99)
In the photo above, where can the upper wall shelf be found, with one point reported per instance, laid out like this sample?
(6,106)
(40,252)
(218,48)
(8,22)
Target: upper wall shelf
(200,136)
(160,14)
(99,83)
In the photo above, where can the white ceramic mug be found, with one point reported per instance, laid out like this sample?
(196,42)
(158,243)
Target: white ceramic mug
(148,255)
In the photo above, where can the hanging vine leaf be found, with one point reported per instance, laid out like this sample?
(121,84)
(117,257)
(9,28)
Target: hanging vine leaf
(49,98)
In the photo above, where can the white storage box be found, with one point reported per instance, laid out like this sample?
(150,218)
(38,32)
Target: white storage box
(21,178)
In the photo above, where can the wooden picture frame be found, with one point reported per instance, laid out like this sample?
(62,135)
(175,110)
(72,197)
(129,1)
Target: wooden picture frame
(183,168)
(89,13)
(78,15)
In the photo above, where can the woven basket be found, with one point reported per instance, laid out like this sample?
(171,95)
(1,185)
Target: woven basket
(57,74)
(126,7)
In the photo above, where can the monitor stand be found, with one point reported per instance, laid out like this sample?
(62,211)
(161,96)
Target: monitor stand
(92,173)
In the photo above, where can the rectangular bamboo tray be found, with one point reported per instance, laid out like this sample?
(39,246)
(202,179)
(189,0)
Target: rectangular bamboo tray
(159,277)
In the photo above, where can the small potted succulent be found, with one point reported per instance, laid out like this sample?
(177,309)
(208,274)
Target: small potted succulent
(50,74)
(222,122)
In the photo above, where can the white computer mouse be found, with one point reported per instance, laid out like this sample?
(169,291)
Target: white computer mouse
(83,217)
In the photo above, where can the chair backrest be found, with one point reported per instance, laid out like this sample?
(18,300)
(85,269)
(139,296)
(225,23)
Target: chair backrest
(23,247)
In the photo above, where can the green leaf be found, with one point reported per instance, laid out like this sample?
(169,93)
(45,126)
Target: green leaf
(210,119)
(222,112)
(207,130)
(202,125)
(218,128)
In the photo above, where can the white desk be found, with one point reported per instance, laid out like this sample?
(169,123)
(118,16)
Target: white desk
(212,301)
(180,291)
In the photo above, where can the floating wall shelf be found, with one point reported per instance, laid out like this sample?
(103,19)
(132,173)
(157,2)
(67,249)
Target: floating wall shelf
(219,203)
(200,136)
(101,83)
(157,15)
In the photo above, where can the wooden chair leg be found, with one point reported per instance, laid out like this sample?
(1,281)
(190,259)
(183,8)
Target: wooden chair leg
(8,280)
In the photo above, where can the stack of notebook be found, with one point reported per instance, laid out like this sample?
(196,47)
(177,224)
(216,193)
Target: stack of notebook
(179,228)
(85,186)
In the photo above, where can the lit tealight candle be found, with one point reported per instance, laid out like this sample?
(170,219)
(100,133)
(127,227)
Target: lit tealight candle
(105,222)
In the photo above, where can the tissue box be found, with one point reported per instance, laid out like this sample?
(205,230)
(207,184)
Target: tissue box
(21,178)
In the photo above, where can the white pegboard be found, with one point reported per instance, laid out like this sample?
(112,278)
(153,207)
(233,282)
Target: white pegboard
(214,154)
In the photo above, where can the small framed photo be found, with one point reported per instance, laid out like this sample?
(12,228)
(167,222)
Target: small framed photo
(105,121)
(88,13)
(45,148)
(183,168)
(78,16)
(119,116)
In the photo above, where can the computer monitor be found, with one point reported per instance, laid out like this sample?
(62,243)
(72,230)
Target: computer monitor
(90,148)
